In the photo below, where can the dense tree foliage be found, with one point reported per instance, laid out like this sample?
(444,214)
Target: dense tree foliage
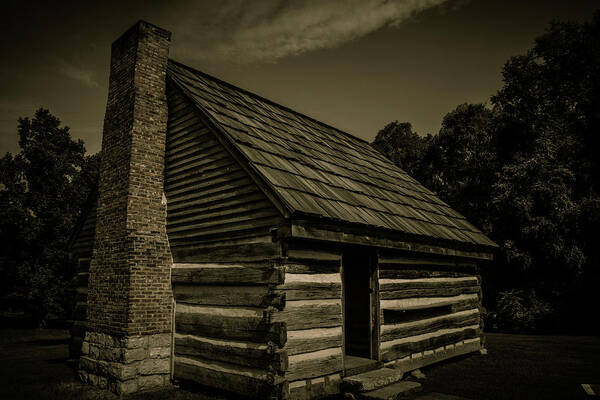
(525,171)
(401,145)
(42,190)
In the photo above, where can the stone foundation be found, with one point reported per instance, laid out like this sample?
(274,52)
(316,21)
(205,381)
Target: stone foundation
(125,365)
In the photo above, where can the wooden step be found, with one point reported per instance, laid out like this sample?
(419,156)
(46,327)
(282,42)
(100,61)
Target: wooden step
(371,380)
(357,365)
(394,391)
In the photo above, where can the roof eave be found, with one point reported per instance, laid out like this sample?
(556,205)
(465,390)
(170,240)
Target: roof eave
(302,226)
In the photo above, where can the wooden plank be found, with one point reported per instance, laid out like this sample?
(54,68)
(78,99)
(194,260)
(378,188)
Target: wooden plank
(212,179)
(202,166)
(420,303)
(229,377)
(400,348)
(392,316)
(249,296)
(249,274)
(309,340)
(264,356)
(227,274)
(194,177)
(386,273)
(318,363)
(189,144)
(314,255)
(376,320)
(235,323)
(189,121)
(201,192)
(191,252)
(332,291)
(213,198)
(307,314)
(191,150)
(233,225)
(428,325)
(226,217)
(386,260)
(259,236)
(198,159)
(222,218)
(311,286)
(188,137)
(315,388)
(176,216)
(436,292)
(312,268)
(427,283)
(420,360)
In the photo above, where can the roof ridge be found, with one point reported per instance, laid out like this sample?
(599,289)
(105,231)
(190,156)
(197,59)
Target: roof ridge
(271,102)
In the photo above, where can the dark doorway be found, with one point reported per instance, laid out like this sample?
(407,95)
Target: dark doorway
(358,280)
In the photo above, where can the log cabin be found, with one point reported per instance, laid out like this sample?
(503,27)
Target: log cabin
(241,245)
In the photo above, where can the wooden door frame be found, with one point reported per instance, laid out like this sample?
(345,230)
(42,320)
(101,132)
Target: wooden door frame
(374,307)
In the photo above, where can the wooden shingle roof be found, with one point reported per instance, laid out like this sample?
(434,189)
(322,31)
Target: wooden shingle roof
(318,171)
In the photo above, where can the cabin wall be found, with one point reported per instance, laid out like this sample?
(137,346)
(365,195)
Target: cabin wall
(215,210)
(81,251)
(225,332)
(313,317)
(430,309)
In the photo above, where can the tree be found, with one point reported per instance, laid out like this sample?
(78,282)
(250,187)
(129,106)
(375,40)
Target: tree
(42,190)
(461,161)
(526,172)
(399,143)
(547,137)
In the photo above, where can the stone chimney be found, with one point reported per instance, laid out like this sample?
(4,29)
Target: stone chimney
(127,346)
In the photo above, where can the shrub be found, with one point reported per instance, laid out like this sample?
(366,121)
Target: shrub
(521,311)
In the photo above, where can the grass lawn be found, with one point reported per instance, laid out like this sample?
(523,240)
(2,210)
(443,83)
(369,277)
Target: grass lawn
(521,367)
(33,366)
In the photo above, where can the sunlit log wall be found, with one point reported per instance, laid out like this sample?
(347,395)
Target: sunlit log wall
(313,316)
(430,309)
(226,335)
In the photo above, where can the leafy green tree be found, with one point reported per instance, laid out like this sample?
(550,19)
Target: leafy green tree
(42,190)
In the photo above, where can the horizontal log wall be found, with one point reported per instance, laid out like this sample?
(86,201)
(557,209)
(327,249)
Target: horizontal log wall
(215,211)
(81,251)
(226,334)
(313,316)
(430,309)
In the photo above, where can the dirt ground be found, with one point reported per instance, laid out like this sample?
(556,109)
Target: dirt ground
(34,366)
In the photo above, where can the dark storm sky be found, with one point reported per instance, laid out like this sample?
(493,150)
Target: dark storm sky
(355,64)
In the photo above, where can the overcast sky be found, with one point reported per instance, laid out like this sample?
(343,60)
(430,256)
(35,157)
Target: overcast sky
(356,64)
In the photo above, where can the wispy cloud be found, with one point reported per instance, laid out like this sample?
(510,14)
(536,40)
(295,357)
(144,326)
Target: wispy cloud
(268,30)
(76,72)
